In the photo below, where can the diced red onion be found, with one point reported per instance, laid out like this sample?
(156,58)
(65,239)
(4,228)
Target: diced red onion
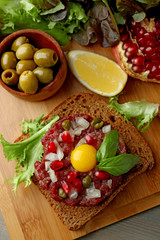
(92,192)
(82,122)
(78,130)
(81,141)
(73,124)
(51,156)
(60,153)
(52,175)
(47,165)
(73,194)
(109,183)
(106,129)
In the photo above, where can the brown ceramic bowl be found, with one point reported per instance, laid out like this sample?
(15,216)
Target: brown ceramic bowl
(40,40)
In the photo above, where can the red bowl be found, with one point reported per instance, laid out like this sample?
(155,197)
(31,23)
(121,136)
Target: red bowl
(40,40)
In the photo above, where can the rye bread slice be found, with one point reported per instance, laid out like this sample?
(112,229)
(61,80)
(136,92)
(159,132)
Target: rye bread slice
(75,217)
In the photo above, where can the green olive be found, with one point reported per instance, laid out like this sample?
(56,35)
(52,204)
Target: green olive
(10,77)
(28,82)
(97,123)
(18,42)
(66,124)
(61,193)
(8,60)
(86,181)
(45,57)
(19,87)
(24,65)
(44,75)
(25,51)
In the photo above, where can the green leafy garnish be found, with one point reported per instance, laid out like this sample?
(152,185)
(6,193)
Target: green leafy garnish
(109,162)
(140,112)
(119,164)
(25,14)
(109,146)
(33,126)
(26,153)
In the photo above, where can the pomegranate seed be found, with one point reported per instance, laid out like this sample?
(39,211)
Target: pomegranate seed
(56,165)
(129,55)
(149,35)
(134,24)
(148,66)
(157,32)
(155,56)
(151,43)
(102,175)
(149,51)
(122,29)
(140,41)
(137,69)
(133,48)
(90,140)
(124,37)
(71,176)
(78,185)
(158,48)
(66,187)
(142,48)
(66,137)
(52,147)
(126,44)
(154,70)
(158,24)
(139,32)
(138,60)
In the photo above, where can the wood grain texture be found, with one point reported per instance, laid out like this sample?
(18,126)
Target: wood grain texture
(28,215)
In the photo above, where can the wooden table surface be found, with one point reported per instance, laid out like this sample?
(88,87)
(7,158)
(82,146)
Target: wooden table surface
(143,226)
(28,214)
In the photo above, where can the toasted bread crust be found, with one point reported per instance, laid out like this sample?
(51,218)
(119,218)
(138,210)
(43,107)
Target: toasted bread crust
(77,216)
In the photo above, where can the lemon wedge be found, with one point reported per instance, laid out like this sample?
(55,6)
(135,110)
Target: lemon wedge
(97,73)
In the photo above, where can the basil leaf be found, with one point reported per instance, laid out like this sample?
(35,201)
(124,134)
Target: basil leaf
(109,146)
(119,164)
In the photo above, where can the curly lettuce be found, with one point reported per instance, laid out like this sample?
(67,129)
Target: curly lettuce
(140,112)
(27,152)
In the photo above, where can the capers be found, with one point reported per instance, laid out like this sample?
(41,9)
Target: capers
(18,42)
(66,124)
(97,123)
(86,181)
(24,65)
(8,60)
(10,77)
(25,51)
(28,82)
(45,57)
(44,75)
(61,193)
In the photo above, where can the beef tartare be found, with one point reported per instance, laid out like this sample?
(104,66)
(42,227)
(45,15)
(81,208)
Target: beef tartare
(76,182)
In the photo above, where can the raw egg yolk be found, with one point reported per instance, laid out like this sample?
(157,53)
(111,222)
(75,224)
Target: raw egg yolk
(83,158)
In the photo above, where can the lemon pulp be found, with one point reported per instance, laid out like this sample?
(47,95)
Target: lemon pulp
(97,73)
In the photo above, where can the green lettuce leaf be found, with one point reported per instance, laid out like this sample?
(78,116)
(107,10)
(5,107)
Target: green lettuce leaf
(142,112)
(25,153)
(24,14)
(33,126)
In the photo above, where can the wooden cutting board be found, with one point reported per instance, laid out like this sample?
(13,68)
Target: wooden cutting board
(28,215)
